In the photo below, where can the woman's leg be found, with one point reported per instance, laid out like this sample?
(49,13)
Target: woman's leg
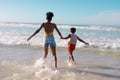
(45,52)
(53,49)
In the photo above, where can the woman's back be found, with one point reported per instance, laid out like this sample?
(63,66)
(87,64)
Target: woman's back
(48,28)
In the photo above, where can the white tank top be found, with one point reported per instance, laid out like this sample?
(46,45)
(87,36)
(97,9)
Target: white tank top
(73,39)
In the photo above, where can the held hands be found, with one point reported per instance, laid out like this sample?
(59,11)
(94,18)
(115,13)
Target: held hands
(87,43)
(61,37)
(28,38)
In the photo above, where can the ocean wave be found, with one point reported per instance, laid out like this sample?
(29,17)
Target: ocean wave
(14,24)
(97,39)
(17,38)
(106,28)
(83,27)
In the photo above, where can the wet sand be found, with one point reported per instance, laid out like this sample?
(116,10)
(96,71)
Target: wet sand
(19,63)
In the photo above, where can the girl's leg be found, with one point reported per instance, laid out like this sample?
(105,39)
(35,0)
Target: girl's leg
(54,55)
(71,56)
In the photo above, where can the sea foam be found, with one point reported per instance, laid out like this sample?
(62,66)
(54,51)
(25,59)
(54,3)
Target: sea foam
(106,37)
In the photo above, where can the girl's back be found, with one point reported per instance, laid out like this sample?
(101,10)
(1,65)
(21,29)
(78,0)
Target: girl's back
(73,39)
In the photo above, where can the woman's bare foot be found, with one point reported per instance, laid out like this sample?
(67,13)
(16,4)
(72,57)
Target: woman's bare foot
(74,62)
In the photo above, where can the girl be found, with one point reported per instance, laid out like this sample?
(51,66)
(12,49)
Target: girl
(72,43)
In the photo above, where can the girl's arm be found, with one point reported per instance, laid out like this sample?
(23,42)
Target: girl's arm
(66,37)
(35,32)
(82,41)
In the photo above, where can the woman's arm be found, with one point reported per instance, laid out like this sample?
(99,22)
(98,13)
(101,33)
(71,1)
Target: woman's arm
(58,31)
(35,32)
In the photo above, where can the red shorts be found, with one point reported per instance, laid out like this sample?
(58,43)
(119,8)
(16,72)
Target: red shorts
(71,47)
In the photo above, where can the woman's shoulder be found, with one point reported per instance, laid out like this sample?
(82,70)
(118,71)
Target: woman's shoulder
(43,23)
(48,23)
(53,23)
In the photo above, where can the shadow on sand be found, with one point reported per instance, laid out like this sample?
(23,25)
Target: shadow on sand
(94,72)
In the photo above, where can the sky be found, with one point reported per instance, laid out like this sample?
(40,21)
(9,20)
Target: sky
(102,12)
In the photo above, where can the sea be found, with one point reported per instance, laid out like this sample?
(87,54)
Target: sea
(22,60)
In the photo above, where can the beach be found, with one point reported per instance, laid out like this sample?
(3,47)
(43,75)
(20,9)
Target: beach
(23,60)
(25,63)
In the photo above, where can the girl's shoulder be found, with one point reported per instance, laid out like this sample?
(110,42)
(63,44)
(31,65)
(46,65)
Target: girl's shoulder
(73,35)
